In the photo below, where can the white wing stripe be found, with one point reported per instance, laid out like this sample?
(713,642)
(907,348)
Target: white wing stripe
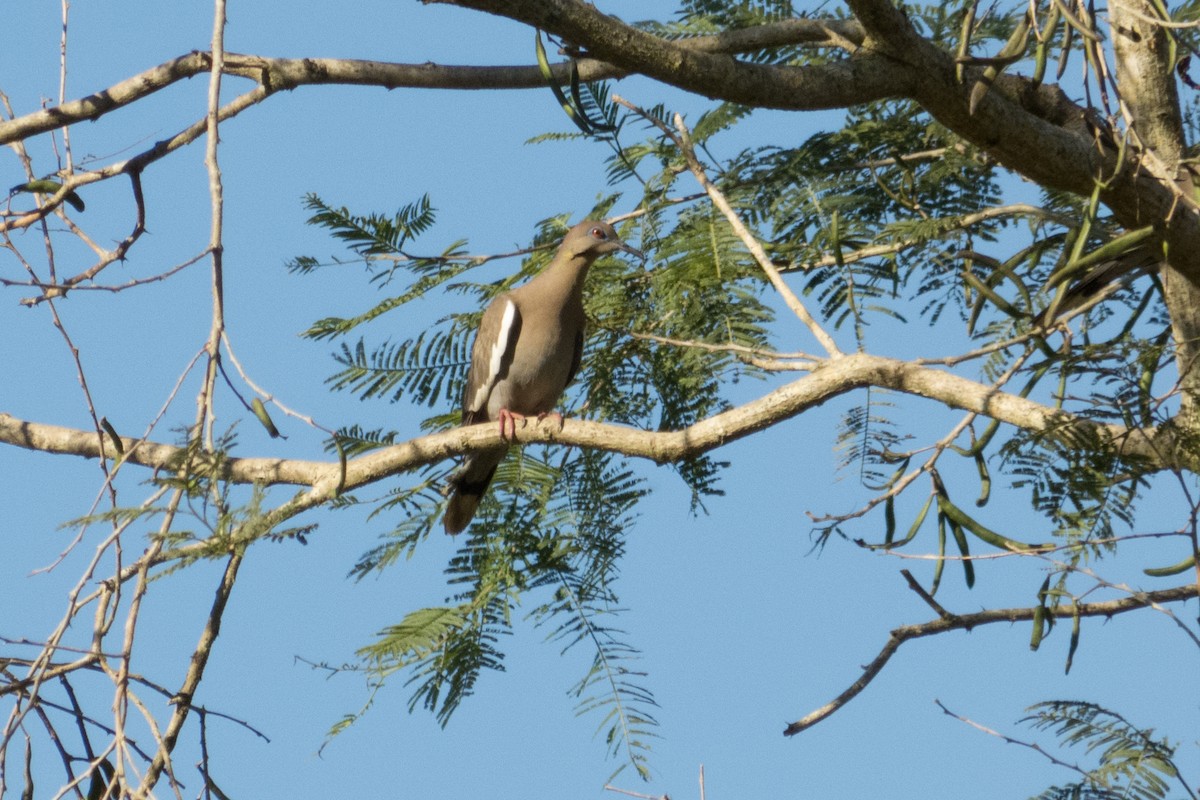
(499,350)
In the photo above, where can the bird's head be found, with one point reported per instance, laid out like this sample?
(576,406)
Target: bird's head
(594,238)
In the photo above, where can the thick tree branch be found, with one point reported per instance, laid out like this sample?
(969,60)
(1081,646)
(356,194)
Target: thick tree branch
(832,85)
(290,73)
(888,66)
(957,622)
(1156,447)
(1150,101)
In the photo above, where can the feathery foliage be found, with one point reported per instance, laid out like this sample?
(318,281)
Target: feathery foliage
(1130,761)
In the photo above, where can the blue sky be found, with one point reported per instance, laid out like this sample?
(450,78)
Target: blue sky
(743,626)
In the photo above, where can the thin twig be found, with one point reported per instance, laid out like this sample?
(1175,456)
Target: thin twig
(265,395)
(1136,594)
(725,348)
(1009,740)
(50,290)
(608,787)
(924,595)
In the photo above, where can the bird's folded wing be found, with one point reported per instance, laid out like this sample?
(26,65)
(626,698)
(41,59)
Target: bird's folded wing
(491,356)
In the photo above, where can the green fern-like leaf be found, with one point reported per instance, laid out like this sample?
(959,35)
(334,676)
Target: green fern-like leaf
(372,234)
(1130,761)
(426,370)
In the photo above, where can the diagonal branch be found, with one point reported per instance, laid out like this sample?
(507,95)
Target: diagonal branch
(136,164)
(756,250)
(966,622)
(682,139)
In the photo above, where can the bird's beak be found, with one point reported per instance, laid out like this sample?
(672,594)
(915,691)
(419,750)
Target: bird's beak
(633,251)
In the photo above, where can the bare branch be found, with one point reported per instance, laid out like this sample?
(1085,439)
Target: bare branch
(1155,446)
(1009,740)
(926,596)
(50,290)
(682,140)
(756,249)
(952,622)
(289,73)
(196,667)
(138,162)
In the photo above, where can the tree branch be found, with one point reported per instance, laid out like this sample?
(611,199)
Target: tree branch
(139,162)
(682,139)
(1149,99)
(1156,447)
(290,73)
(838,84)
(952,622)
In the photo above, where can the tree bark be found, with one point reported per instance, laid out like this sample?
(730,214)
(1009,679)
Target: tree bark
(1145,62)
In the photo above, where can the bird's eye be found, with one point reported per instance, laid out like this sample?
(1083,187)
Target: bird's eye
(598,233)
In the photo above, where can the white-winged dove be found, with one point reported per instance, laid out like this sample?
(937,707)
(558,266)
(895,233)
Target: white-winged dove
(526,352)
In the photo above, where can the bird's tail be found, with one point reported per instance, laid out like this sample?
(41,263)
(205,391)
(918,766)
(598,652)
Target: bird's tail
(469,485)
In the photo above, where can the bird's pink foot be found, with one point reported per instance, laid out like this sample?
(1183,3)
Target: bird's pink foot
(508,423)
